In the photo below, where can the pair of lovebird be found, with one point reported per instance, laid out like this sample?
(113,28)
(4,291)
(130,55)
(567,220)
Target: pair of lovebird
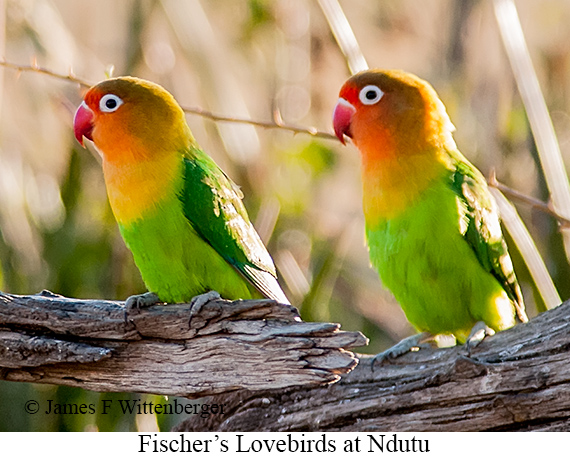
(432,226)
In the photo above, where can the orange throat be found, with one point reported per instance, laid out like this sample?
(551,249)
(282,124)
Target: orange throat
(392,183)
(135,187)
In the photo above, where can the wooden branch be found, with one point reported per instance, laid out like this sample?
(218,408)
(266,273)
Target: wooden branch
(518,379)
(94,344)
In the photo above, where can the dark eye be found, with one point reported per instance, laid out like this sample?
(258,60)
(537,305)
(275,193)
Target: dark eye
(369,95)
(109,103)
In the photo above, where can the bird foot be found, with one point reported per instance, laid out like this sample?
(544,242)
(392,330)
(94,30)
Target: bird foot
(48,293)
(142,301)
(401,348)
(198,302)
(478,333)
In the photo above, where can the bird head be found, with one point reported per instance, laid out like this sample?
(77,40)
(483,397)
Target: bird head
(128,116)
(391,111)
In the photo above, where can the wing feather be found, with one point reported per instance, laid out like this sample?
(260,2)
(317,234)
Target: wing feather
(480,225)
(212,204)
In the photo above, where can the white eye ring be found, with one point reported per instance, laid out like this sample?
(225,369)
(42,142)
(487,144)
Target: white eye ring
(109,103)
(370,95)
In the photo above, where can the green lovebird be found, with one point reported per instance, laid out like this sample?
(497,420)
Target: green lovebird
(178,212)
(432,226)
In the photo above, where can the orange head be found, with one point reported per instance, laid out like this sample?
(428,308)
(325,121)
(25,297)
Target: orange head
(131,119)
(389,113)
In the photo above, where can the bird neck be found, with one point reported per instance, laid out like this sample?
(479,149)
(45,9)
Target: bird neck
(136,187)
(392,183)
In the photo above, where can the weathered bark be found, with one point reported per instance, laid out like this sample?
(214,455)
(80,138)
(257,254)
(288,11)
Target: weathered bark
(518,379)
(227,346)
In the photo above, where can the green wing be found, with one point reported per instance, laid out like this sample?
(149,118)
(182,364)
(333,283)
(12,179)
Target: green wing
(480,225)
(212,203)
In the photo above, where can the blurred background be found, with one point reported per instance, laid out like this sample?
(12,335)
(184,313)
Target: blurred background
(251,59)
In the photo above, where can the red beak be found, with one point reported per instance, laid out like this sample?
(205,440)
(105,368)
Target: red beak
(342,118)
(83,123)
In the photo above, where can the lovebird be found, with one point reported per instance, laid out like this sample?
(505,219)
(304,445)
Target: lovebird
(179,214)
(432,226)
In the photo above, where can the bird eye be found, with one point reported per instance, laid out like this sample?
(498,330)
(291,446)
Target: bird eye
(109,103)
(369,95)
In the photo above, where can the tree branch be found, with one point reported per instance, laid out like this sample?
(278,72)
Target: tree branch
(518,379)
(94,344)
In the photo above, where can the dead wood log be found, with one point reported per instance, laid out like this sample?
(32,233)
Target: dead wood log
(94,344)
(518,379)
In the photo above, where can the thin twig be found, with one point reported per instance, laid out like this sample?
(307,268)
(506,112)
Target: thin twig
(528,200)
(277,123)
(34,67)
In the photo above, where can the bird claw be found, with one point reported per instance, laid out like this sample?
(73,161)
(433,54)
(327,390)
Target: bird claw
(198,302)
(401,348)
(478,333)
(141,301)
(48,293)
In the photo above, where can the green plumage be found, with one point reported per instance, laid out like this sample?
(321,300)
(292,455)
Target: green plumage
(444,257)
(432,225)
(200,238)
